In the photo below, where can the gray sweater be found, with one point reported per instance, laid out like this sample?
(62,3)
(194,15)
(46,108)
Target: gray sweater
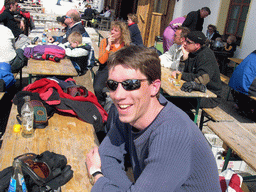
(171,154)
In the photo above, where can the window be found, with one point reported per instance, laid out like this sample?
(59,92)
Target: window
(237,15)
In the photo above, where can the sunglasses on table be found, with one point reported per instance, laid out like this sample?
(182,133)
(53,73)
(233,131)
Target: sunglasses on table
(39,171)
(128,85)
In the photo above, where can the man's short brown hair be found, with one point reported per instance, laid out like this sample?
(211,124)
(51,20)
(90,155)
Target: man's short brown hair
(75,37)
(139,58)
(8,3)
(184,31)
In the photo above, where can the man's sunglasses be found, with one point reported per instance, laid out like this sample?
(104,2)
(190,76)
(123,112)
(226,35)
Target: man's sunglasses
(68,17)
(189,42)
(39,171)
(128,85)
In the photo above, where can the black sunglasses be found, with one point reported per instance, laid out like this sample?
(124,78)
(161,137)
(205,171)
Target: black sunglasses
(128,85)
(189,42)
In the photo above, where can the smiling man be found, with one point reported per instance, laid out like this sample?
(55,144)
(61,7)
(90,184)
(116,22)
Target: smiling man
(166,149)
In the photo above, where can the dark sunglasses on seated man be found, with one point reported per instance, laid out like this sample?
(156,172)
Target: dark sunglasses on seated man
(128,85)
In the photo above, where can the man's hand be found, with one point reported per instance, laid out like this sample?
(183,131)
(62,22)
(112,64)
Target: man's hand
(93,162)
(174,74)
(22,25)
(93,159)
(185,53)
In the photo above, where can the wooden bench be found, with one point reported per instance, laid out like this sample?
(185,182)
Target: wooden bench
(215,114)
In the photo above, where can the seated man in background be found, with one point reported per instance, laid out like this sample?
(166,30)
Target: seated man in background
(171,58)
(201,70)
(166,149)
(243,84)
(8,54)
(7,17)
(73,21)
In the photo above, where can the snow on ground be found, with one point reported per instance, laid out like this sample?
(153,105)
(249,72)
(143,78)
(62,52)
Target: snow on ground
(51,6)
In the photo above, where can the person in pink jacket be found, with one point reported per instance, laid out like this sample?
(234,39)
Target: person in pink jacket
(168,35)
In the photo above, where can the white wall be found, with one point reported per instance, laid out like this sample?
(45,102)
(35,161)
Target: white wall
(1,3)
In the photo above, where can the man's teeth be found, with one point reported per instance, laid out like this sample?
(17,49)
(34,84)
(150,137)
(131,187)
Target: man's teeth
(123,106)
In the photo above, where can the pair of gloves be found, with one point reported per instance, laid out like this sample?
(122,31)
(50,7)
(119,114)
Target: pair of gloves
(61,173)
(193,86)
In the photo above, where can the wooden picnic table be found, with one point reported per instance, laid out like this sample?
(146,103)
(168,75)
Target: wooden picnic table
(47,67)
(174,91)
(64,135)
(240,137)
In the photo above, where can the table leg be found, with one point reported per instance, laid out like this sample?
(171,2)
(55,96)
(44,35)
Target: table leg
(20,78)
(197,109)
(227,160)
(29,79)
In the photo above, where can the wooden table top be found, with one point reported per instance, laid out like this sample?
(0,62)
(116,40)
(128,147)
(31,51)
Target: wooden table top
(64,135)
(241,137)
(46,67)
(236,60)
(1,95)
(175,91)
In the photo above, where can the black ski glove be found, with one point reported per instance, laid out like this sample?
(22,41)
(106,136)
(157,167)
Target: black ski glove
(193,86)
(5,176)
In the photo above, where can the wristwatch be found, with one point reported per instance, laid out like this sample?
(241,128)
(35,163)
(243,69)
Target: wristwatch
(93,173)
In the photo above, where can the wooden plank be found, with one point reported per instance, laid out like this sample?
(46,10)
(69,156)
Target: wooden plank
(154,28)
(217,114)
(236,60)
(224,79)
(64,135)
(46,67)
(175,91)
(240,137)
(1,95)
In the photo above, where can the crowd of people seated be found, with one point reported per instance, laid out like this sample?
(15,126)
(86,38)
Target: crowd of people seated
(127,84)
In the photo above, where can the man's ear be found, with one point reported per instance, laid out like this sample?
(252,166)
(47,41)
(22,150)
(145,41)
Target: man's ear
(155,87)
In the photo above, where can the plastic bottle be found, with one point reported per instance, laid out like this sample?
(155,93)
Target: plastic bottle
(27,114)
(17,182)
(44,39)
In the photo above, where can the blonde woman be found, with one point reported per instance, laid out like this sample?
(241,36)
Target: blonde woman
(119,37)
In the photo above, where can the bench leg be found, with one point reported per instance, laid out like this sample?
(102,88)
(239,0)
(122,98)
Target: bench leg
(197,110)
(20,78)
(201,124)
(229,89)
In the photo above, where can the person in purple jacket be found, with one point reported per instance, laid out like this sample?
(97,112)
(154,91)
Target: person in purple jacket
(168,35)
(166,150)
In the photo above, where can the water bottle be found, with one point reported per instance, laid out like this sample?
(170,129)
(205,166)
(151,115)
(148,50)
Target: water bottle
(44,39)
(27,114)
(17,182)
